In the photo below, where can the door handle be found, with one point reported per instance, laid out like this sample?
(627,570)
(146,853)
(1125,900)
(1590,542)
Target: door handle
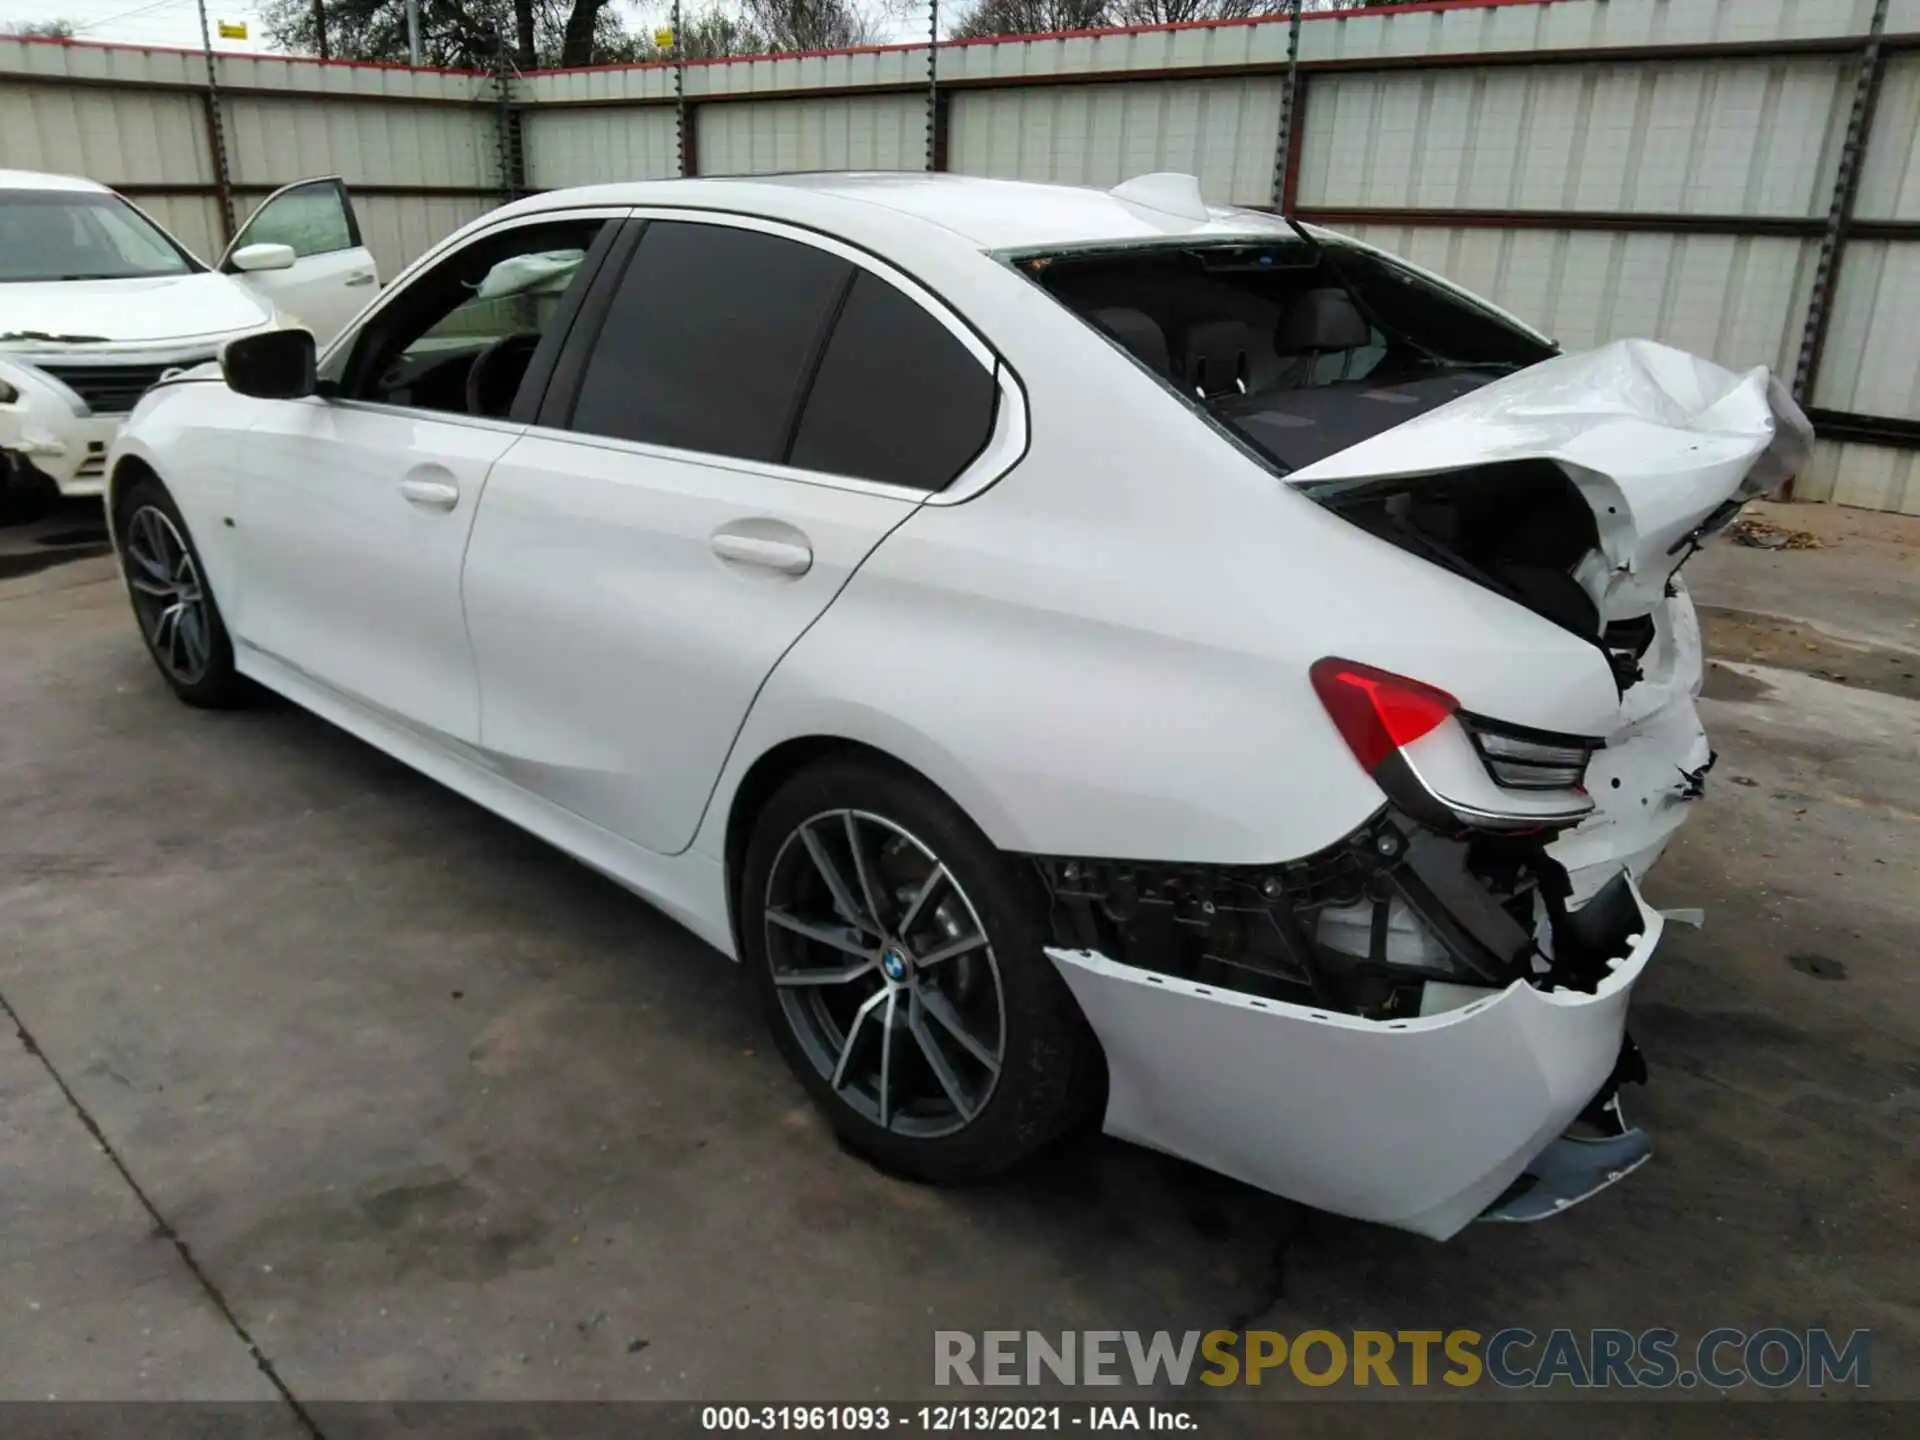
(789,557)
(430,494)
(366,279)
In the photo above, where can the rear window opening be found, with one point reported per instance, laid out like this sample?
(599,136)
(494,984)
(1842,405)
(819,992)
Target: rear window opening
(1299,348)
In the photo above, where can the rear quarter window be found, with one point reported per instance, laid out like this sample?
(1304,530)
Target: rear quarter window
(897,398)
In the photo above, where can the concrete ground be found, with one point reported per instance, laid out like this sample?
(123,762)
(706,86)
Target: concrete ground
(401,1104)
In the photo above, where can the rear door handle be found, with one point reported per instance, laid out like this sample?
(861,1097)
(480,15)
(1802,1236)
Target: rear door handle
(789,557)
(430,494)
(366,279)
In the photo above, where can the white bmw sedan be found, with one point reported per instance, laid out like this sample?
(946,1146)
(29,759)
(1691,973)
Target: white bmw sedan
(1088,654)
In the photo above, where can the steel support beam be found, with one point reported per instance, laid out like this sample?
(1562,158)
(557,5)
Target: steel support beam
(1846,191)
(1286,152)
(216,133)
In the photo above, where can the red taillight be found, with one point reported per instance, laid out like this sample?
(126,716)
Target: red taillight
(1377,712)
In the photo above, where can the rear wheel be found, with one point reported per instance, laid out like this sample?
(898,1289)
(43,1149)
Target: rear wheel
(178,616)
(898,958)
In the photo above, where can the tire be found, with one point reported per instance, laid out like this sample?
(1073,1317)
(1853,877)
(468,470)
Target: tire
(164,575)
(986,917)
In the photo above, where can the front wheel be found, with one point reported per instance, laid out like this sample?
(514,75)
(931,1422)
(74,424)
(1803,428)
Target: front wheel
(898,958)
(178,617)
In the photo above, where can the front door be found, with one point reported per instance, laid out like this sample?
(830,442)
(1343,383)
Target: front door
(357,506)
(333,276)
(759,410)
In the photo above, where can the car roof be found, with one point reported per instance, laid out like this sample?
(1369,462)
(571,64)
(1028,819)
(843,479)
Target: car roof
(993,214)
(35,180)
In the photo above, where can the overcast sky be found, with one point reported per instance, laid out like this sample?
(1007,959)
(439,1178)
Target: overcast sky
(141,22)
(177,22)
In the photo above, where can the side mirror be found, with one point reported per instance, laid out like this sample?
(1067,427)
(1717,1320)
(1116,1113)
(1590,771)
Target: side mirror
(251,258)
(273,365)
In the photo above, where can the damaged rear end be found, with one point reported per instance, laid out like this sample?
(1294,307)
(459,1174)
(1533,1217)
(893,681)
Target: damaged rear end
(1425,1022)
(1578,489)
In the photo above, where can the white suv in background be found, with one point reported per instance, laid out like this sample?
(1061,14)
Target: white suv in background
(97,302)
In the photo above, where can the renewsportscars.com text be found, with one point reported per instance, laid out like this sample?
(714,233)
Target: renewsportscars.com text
(1772,1358)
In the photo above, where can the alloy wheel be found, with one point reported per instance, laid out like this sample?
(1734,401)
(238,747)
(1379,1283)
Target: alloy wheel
(885,973)
(168,595)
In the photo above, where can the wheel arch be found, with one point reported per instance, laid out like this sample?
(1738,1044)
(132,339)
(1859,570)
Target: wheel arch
(771,769)
(194,465)
(127,471)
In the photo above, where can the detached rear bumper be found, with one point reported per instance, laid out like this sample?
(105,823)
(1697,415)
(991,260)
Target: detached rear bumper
(1419,1123)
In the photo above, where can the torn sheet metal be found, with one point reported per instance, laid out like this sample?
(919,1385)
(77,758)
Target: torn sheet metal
(1659,442)
(1652,769)
(1418,1123)
(31,423)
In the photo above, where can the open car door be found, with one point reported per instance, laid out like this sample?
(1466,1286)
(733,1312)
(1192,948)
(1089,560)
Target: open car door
(301,249)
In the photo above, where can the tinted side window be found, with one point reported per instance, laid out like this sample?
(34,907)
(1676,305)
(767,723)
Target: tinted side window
(897,397)
(708,341)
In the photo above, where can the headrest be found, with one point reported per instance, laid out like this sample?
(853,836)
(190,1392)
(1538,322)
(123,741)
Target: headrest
(1319,321)
(1138,333)
(1212,357)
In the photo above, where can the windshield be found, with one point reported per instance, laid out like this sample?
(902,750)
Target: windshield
(1298,347)
(82,235)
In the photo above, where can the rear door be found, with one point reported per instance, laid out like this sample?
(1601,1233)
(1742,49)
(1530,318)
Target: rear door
(755,409)
(333,275)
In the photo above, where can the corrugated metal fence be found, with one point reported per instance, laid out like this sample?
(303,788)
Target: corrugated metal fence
(1739,177)
(419,148)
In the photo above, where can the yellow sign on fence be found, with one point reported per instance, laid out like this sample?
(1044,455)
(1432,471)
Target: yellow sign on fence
(233,29)
(663,37)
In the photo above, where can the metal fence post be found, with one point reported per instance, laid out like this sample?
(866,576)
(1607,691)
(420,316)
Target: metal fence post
(216,134)
(1846,190)
(679,98)
(935,159)
(1289,104)
(506,118)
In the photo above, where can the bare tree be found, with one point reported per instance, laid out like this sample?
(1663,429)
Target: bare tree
(1184,12)
(1040,17)
(1031,17)
(525,21)
(452,32)
(811,24)
(758,27)
(714,34)
(37,30)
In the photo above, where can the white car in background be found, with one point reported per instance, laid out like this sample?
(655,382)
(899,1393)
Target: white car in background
(97,302)
(1082,651)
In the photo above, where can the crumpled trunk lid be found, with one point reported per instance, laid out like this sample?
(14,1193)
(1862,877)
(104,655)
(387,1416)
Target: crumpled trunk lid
(1662,446)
